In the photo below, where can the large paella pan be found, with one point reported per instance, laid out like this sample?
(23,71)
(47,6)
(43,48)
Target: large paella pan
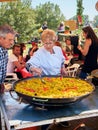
(54,91)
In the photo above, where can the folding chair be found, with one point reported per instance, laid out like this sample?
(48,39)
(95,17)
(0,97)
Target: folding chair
(72,70)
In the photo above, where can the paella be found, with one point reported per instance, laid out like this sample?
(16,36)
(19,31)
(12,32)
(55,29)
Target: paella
(54,87)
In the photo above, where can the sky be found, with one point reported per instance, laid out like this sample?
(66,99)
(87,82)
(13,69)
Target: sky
(69,7)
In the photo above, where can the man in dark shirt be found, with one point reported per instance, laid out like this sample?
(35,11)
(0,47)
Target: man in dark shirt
(7,35)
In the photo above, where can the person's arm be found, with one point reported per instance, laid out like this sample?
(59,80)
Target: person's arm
(38,71)
(19,65)
(33,65)
(1,72)
(85,49)
(33,69)
(3,65)
(64,71)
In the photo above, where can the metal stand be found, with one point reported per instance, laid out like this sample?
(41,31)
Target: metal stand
(2,122)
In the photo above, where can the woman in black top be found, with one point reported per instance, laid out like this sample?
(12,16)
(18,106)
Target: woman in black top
(90,51)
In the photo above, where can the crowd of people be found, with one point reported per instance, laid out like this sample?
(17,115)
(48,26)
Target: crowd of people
(49,59)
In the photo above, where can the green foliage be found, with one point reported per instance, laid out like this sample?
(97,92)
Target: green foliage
(95,21)
(51,13)
(80,11)
(20,16)
(26,20)
(80,7)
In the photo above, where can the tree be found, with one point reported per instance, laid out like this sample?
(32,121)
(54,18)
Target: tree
(86,20)
(95,23)
(51,13)
(80,12)
(20,16)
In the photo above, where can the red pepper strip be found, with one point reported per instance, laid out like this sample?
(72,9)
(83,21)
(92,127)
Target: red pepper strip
(45,88)
(61,78)
(30,90)
(49,79)
(72,88)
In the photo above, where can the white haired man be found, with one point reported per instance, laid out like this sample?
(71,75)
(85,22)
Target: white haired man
(7,35)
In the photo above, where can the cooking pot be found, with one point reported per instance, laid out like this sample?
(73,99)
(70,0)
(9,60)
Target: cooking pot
(94,75)
(41,101)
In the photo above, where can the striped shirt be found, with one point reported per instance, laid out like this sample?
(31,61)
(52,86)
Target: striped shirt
(3,63)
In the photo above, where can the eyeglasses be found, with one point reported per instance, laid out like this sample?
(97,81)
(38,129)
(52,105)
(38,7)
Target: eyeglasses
(50,43)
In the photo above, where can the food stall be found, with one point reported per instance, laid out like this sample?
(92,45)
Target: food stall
(20,115)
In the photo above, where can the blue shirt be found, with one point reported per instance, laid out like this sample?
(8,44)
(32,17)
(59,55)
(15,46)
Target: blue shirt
(3,63)
(50,64)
